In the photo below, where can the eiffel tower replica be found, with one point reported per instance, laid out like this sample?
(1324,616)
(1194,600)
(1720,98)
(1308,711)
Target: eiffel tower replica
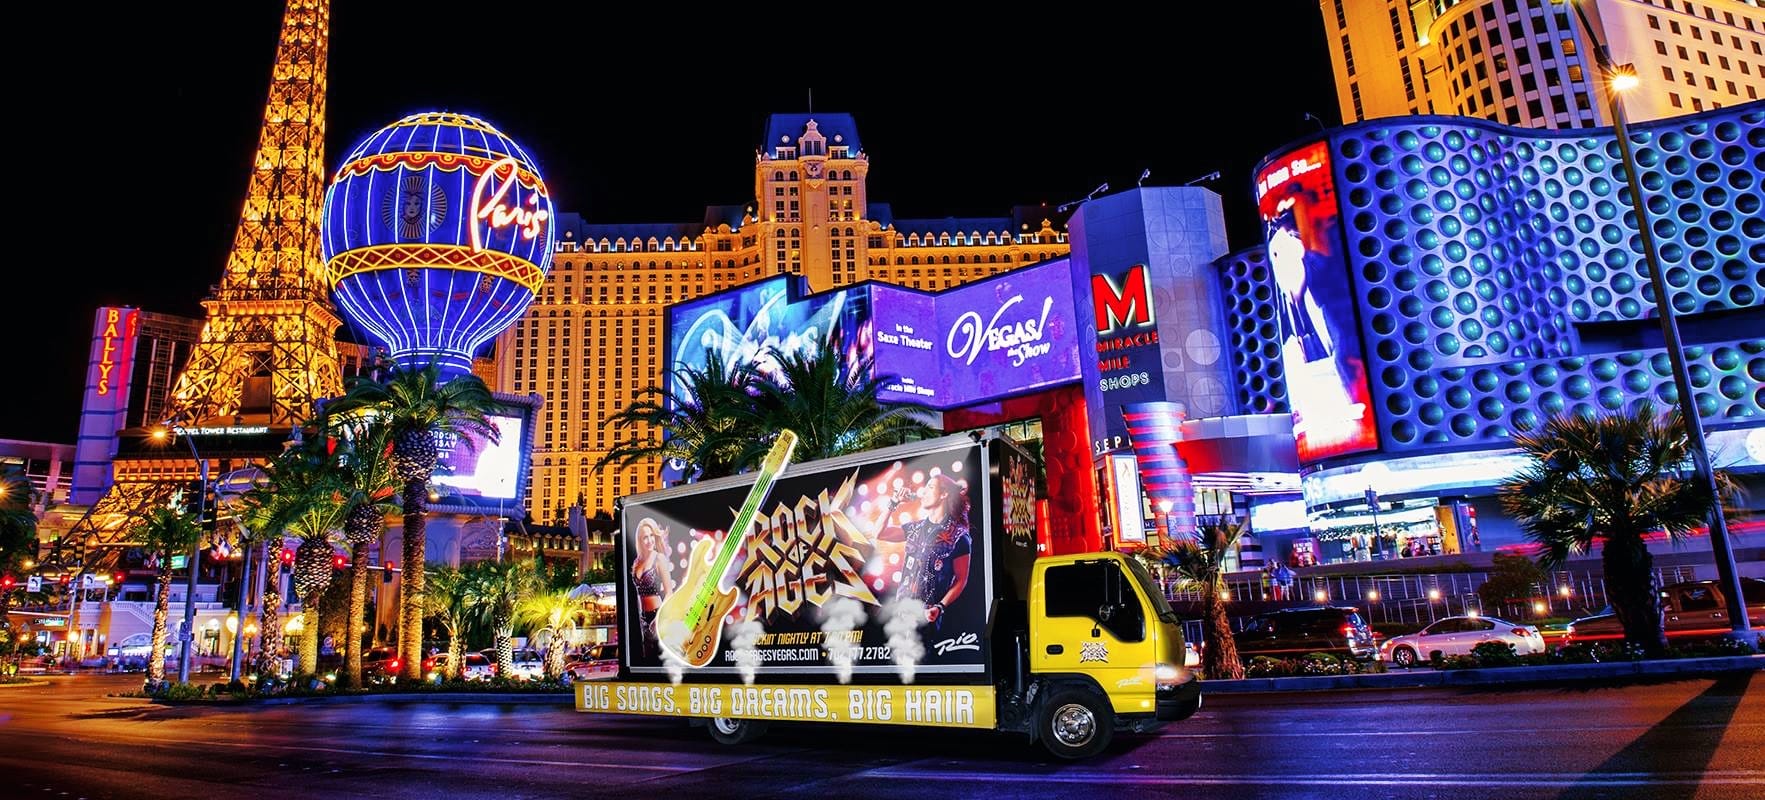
(267,350)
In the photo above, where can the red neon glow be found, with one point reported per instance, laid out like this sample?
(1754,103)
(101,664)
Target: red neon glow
(487,204)
(1127,307)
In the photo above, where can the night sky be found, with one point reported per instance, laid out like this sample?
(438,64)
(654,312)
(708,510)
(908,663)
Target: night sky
(150,118)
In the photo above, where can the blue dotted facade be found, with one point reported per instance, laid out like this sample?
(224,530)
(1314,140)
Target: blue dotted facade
(1253,337)
(1500,276)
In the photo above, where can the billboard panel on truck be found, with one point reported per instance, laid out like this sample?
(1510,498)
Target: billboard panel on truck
(881,566)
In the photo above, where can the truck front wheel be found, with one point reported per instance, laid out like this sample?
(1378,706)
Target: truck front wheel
(735,731)
(1076,723)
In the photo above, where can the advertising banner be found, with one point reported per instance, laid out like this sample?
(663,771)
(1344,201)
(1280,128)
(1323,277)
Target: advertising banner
(1001,336)
(935,706)
(767,319)
(872,568)
(1321,349)
(475,466)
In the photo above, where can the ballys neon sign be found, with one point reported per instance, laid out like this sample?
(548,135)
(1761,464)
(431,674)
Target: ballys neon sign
(488,204)
(1021,340)
(111,346)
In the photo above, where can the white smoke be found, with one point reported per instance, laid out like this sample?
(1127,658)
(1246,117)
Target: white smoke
(903,619)
(676,668)
(747,656)
(838,619)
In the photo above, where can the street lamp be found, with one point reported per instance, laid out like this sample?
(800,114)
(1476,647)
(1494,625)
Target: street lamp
(187,636)
(1620,79)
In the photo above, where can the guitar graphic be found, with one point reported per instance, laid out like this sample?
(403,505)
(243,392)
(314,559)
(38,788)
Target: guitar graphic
(689,624)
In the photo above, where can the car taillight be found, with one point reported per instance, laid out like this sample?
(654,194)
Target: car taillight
(392,665)
(1523,631)
(1348,631)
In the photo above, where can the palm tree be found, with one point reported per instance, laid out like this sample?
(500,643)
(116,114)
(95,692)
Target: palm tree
(832,409)
(555,614)
(497,589)
(165,532)
(1612,480)
(311,502)
(18,528)
(447,595)
(417,408)
(1197,564)
(702,421)
(365,459)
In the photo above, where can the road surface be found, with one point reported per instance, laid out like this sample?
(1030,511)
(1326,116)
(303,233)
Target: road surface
(1699,738)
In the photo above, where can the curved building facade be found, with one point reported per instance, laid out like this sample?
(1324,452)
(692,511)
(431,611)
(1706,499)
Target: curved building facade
(1497,278)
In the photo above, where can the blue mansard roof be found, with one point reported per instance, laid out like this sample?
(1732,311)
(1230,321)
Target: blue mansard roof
(783,129)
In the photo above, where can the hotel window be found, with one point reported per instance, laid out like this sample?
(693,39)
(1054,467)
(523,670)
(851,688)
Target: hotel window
(1396,28)
(1661,47)
(1347,56)
(1654,22)
(1667,72)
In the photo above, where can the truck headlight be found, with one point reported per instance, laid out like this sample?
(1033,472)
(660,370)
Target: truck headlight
(1168,675)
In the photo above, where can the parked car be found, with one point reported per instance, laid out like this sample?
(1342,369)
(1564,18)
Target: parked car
(1694,610)
(381,665)
(529,664)
(594,662)
(1456,636)
(475,667)
(1336,630)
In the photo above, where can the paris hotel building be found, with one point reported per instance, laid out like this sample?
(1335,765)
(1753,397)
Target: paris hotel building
(593,338)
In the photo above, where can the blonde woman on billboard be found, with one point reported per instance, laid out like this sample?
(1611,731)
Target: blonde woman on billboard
(652,579)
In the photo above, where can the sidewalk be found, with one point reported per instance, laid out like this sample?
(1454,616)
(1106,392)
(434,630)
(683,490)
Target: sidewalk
(1498,676)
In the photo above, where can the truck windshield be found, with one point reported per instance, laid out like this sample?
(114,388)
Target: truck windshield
(1160,605)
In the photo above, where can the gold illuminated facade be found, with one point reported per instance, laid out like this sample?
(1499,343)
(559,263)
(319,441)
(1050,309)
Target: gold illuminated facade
(594,335)
(1530,62)
(266,350)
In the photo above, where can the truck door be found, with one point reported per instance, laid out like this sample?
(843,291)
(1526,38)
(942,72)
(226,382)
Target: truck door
(1094,622)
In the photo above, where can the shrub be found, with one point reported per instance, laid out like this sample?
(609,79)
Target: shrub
(1495,654)
(1307,665)
(176,691)
(1710,649)
(1457,662)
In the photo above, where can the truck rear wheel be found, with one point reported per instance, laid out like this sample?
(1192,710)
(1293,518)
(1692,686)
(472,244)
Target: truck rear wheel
(1075,723)
(735,731)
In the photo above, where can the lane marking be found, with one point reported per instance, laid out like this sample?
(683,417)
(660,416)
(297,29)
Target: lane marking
(1462,731)
(391,754)
(1565,780)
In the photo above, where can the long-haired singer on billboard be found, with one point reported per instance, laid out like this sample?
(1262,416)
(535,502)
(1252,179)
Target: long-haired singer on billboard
(1309,330)
(937,543)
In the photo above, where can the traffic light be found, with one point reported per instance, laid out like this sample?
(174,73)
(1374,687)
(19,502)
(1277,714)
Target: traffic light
(339,561)
(6,583)
(287,559)
(119,578)
(386,574)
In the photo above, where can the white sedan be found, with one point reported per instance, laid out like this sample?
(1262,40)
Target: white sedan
(1456,636)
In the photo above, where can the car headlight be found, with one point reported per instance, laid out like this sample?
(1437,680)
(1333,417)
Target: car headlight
(1167,675)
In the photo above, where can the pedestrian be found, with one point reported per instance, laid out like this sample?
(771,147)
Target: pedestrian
(1283,581)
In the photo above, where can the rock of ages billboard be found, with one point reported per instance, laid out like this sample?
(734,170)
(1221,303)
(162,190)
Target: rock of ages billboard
(878,568)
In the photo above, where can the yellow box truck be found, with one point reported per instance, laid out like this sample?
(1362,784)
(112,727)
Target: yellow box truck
(899,587)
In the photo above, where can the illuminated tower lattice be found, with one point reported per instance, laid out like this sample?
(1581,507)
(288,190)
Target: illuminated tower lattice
(266,351)
(268,347)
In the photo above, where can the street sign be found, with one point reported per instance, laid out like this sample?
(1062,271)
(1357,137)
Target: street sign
(179,560)
(88,581)
(34,583)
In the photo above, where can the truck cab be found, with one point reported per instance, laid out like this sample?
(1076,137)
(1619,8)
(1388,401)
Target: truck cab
(1105,652)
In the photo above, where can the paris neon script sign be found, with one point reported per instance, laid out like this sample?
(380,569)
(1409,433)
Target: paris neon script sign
(488,203)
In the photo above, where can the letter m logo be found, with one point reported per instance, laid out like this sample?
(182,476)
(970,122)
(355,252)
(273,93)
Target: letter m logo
(1128,306)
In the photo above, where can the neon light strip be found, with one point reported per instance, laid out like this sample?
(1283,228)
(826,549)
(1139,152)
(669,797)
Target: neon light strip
(434,256)
(445,162)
